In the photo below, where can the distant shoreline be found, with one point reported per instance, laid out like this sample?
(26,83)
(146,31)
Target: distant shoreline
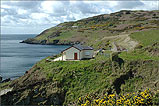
(46,44)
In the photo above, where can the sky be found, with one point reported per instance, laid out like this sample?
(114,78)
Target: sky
(33,17)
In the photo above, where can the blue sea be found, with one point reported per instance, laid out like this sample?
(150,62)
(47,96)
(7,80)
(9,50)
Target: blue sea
(17,58)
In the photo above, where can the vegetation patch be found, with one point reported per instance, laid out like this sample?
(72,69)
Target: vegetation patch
(139,98)
(92,30)
(146,37)
(63,82)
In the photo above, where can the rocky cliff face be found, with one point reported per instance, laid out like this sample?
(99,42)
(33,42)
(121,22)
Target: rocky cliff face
(34,89)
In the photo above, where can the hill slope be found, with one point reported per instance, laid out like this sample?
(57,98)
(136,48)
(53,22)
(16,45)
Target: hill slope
(94,31)
(60,83)
(63,82)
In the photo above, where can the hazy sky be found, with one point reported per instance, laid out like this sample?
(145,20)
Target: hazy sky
(35,16)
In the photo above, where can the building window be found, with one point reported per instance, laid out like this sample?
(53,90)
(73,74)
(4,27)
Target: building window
(87,53)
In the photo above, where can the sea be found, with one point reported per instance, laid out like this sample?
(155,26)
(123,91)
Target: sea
(16,58)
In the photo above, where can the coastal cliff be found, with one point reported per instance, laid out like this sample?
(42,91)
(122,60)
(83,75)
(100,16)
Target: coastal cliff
(63,82)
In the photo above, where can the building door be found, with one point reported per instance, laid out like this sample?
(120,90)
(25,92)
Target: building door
(75,56)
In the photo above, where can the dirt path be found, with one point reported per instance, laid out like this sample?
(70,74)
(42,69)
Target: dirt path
(123,40)
(126,42)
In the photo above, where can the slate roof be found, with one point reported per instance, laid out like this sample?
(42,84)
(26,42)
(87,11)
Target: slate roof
(82,47)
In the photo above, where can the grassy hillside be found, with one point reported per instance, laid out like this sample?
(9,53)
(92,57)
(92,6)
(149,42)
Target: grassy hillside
(146,38)
(94,31)
(148,47)
(64,82)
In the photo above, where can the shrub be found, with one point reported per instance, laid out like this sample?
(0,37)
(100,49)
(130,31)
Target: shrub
(139,98)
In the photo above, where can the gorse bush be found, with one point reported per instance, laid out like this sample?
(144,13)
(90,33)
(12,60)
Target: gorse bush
(139,98)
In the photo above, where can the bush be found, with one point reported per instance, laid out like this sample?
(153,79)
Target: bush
(114,56)
(139,98)
(156,99)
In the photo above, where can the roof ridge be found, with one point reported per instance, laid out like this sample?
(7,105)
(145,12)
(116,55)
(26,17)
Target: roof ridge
(83,47)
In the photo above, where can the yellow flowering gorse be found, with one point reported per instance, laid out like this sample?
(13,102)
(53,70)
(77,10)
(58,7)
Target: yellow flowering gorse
(140,98)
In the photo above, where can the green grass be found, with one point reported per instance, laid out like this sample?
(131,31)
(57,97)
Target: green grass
(137,55)
(4,85)
(65,35)
(79,77)
(146,37)
(95,76)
